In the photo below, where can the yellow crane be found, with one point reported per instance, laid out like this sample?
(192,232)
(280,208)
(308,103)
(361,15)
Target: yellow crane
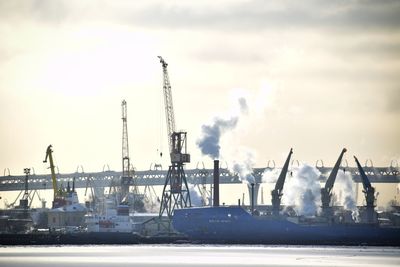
(58,192)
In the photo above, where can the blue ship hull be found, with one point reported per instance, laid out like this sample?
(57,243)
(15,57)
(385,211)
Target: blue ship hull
(235,225)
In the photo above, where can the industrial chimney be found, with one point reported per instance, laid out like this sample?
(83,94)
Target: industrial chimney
(216,183)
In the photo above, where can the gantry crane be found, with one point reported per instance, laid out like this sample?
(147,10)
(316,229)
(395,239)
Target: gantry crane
(326,192)
(59,194)
(176,191)
(369,193)
(277,192)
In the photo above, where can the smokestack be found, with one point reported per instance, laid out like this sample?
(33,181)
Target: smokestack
(216,183)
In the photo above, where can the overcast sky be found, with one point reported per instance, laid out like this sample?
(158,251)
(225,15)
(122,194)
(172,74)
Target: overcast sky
(318,76)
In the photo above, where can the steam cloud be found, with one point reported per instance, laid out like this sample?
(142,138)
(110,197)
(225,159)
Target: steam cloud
(244,168)
(303,190)
(270,175)
(195,196)
(211,134)
(344,184)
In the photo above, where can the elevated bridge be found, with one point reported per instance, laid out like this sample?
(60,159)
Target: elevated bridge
(157,177)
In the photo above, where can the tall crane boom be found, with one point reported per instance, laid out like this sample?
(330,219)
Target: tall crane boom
(365,181)
(277,192)
(125,145)
(326,192)
(177,195)
(169,107)
(126,178)
(332,176)
(49,156)
(59,193)
(369,193)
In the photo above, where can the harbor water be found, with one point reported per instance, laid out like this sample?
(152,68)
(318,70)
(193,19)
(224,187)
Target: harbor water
(197,255)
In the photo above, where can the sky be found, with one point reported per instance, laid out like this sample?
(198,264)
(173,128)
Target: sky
(317,75)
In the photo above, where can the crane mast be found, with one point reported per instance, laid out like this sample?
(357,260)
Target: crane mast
(369,193)
(126,178)
(169,107)
(125,145)
(326,192)
(49,155)
(176,191)
(277,192)
(59,193)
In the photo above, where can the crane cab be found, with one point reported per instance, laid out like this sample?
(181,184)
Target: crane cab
(179,148)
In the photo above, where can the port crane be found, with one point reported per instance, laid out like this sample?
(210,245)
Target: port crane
(176,191)
(369,193)
(126,178)
(326,192)
(59,194)
(277,192)
(23,203)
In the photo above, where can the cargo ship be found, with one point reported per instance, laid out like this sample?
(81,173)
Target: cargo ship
(239,225)
(235,225)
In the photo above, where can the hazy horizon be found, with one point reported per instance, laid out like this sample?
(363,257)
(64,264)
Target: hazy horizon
(317,77)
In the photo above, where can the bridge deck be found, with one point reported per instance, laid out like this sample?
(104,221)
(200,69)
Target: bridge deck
(157,177)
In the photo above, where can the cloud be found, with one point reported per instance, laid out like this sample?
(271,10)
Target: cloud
(393,100)
(251,16)
(41,11)
(256,15)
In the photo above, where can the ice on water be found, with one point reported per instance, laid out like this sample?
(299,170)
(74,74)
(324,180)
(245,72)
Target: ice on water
(197,255)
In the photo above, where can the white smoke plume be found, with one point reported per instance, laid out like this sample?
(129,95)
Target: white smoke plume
(240,160)
(195,196)
(209,143)
(344,184)
(270,175)
(243,165)
(303,190)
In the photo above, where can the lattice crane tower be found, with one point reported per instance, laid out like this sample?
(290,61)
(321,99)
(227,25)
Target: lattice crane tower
(126,177)
(176,191)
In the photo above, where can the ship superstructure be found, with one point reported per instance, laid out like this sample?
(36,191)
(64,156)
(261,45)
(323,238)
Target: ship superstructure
(111,220)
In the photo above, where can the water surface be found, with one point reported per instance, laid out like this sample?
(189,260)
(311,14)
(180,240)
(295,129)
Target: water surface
(197,255)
